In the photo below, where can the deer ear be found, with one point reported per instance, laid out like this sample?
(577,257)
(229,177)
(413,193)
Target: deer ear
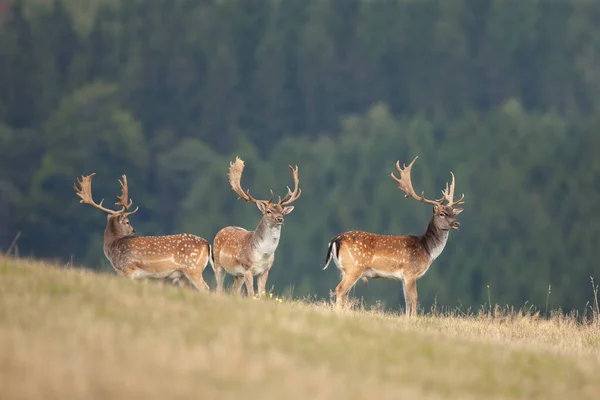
(262,206)
(287,210)
(457,211)
(436,209)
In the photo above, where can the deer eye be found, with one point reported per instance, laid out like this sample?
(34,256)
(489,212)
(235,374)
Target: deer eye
(442,214)
(268,211)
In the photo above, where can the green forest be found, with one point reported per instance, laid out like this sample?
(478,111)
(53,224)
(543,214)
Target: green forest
(505,94)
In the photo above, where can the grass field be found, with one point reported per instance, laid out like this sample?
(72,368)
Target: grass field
(66,333)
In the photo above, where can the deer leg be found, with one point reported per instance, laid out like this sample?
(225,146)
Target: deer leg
(194,275)
(249,281)
(262,283)
(341,291)
(236,288)
(219,277)
(178,281)
(410,296)
(127,272)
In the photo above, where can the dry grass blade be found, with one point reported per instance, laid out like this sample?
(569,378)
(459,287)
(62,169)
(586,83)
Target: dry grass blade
(74,334)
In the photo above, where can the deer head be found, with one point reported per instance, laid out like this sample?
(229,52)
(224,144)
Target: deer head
(272,212)
(117,220)
(444,215)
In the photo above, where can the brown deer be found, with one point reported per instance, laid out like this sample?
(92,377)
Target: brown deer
(246,254)
(137,257)
(365,255)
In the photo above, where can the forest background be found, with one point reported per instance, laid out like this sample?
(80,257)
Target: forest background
(505,94)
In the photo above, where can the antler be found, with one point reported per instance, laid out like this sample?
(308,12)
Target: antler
(124,200)
(290,197)
(448,194)
(235,177)
(406,185)
(85,192)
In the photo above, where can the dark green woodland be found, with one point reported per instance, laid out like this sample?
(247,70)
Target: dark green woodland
(504,93)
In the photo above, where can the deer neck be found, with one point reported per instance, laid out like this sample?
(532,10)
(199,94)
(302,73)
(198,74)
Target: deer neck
(111,237)
(434,240)
(265,237)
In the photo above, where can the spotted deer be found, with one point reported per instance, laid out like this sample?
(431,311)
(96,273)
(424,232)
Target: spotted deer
(365,255)
(246,254)
(138,257)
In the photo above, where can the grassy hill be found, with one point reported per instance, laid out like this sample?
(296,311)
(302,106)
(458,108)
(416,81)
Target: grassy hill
(66,333)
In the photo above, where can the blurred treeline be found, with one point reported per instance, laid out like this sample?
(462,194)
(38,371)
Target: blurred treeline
(505,94)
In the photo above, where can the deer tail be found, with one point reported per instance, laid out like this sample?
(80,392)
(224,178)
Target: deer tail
(332,250)
(211,257)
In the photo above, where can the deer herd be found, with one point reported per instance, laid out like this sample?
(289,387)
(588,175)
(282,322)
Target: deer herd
(248,254)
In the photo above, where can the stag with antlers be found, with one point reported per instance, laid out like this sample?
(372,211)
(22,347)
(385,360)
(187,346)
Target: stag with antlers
(137,257)
(246,254)
(365,255)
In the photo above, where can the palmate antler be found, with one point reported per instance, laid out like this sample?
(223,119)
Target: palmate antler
(235,176)
(124,200)
(448,194)
(405,185)
(84,191)
(290,197)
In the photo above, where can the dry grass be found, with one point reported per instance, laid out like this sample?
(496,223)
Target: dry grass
(74,334)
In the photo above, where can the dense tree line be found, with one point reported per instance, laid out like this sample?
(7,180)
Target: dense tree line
(505,94)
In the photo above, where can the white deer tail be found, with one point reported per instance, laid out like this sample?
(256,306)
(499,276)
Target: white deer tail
(332,251)
(211,258)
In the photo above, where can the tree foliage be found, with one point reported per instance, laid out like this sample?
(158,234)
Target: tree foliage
(504,95)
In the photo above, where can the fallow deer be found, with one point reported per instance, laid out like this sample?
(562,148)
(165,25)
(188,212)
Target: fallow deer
(360,254)
(246,254)
(137,257)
